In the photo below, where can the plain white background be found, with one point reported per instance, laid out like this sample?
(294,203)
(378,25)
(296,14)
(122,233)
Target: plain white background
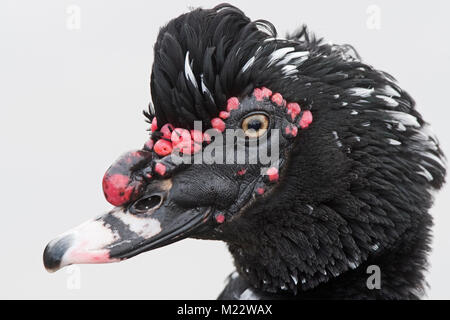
(71,102)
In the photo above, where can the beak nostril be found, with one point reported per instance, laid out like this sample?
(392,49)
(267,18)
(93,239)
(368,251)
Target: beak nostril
(146,204)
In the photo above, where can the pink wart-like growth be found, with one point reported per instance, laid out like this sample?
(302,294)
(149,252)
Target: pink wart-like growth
(160,168)
(179,136)
(206,138)
(266,93)
(218,124)
(197,136)
(117,189)
(154,125)
(277,99)
(272,173)
(166,130)
(163,147)
(232,104)
(189,142)
(224,115)
(241,172)
(220,218)
(306,119)
(293,109)
(261,93)
(291,130)
(182,140)
(258,94)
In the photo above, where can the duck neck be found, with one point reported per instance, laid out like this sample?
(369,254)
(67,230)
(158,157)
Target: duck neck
(274,269)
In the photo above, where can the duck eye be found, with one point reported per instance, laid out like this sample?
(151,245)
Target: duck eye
(143,205)
(255,125)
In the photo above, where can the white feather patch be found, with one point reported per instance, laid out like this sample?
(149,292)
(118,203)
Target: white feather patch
(248,64)
(278,54)
(432,157)
(388,100)
(405,118)
(289,70)
(360,92)
(248,294)
(394,142)
(296,58)
(390,91)
(144,227)
(188,73)
(425,173)
(205,89)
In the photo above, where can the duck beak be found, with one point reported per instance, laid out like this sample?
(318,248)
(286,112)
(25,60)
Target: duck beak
(119,235)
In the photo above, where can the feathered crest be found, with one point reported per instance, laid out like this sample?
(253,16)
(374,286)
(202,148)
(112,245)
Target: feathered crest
(199,61)
(208,55)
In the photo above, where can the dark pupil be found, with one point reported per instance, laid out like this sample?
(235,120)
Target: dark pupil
(255,124)
(148,203)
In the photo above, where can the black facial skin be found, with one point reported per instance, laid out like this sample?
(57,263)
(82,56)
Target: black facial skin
(354,188)
(221,186)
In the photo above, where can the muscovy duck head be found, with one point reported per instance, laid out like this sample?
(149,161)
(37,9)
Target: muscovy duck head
(317,209)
